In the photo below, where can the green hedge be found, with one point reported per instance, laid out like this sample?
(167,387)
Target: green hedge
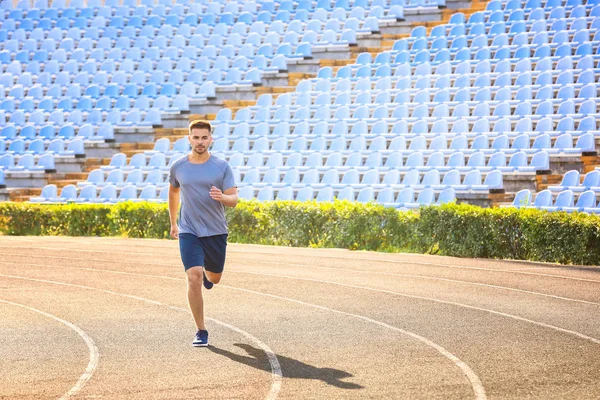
(455,230)
(136,220)
(522,234)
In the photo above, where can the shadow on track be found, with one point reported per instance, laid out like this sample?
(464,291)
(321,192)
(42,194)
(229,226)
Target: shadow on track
(291,368)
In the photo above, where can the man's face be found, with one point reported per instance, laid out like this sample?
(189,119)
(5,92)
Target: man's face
(200,139)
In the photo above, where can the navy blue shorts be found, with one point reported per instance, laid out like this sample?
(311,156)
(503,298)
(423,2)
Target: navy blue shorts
(207,251)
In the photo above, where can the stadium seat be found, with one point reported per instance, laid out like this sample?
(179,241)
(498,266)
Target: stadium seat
(49,194)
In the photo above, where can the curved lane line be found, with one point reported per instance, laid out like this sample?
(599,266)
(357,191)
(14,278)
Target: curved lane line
(580,335)
(94,353)
(476,384)
(426,277)
(440,279)
(516,317)
(276,375)
(542,264)
(338,258)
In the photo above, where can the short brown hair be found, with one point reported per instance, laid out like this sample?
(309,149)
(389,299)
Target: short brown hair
(200,124)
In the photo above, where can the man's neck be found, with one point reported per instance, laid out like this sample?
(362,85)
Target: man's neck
(196,158)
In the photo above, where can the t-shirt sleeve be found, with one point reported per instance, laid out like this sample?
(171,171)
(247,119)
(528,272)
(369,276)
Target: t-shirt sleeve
(228,179)
(172,179)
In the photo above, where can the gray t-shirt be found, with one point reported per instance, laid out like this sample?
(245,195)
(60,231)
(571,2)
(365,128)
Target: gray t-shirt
(200,214)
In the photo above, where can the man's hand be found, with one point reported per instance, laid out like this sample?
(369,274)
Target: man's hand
(228,199)
(216,193)
(174,232)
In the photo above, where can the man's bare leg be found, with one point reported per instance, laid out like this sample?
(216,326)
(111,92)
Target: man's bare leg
(195,300)
(213,277)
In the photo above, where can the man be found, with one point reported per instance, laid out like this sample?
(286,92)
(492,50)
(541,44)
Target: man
(205,185)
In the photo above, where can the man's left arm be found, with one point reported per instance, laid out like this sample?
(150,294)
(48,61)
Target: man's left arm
(229,197)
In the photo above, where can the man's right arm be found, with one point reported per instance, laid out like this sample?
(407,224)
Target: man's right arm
(174,197)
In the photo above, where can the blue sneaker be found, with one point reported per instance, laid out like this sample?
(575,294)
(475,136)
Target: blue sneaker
(201,339)
(207,284)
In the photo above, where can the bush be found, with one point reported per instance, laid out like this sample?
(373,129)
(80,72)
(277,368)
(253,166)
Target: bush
(523,234)
(125,219)
(454,230)
(140,220)
(340,224)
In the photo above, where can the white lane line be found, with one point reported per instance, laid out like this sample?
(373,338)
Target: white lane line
(403,262)
(328,268)
(93,349)
(74,249)
(153,243)
(580,335)
(276,374)
(439,279)
(474,380)
(491,270)
(516,317)
(583,269)
(450,266)
(476,384)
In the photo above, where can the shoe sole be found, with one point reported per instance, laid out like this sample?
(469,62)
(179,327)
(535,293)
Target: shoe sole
(206,283)
(200,344)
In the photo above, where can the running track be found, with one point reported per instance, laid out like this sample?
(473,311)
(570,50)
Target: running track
(107,318)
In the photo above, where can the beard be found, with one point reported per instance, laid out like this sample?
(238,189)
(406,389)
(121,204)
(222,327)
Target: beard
(200,150)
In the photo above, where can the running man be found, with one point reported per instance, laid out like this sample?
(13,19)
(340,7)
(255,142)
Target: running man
(205,185)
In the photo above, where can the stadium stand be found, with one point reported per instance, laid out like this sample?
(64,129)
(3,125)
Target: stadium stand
(475,107)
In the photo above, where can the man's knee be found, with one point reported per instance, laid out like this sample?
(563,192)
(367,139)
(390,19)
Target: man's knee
(194,277)
(213,277)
